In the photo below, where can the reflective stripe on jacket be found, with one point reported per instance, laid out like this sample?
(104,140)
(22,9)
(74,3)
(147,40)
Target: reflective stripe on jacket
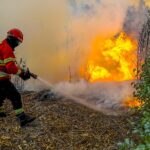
(7,61)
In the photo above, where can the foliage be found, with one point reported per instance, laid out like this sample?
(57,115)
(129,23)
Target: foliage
(141,128)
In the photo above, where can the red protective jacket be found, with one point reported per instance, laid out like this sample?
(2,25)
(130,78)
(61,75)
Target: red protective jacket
(7,62)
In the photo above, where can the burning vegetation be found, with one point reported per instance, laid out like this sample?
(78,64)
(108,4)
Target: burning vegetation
(111,59)
(114,59)
(133,102)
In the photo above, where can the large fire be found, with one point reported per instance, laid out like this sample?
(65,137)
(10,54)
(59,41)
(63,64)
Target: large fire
(111,60)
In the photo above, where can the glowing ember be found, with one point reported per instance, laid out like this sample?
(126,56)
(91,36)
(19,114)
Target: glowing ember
(111,60)
(131,102)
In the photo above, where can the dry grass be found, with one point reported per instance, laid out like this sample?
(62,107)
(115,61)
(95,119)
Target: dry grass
(61,125)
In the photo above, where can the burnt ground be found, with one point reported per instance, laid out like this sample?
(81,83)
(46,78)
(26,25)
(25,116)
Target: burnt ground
(61,125)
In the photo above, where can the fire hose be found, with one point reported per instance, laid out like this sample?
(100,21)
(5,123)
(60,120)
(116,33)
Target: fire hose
(34,76)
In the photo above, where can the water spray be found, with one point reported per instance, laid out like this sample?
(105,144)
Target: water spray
(45,82)
(81,101)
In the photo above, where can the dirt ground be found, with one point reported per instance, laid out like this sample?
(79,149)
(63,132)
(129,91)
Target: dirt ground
(61,125)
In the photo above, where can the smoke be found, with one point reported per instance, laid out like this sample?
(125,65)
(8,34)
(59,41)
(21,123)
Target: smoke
(135,18)
(43,24)
(108,98)
(59,34)
(93,19)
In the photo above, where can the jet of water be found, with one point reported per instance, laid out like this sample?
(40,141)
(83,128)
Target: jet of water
(45,82)
(84,100)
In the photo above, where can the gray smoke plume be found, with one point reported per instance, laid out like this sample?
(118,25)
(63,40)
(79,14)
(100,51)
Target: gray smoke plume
(105,97)
(135,18)
(108,98)
(56,33)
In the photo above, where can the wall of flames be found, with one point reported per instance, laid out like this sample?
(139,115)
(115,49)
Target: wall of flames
(111,59)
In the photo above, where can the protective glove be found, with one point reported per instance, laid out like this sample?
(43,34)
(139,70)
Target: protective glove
(25,75)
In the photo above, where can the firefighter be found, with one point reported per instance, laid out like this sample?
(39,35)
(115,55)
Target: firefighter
(8,66)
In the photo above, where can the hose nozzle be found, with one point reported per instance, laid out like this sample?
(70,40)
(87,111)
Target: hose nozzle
(34,76)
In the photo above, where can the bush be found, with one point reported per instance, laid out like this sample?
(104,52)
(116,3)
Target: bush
(141,129)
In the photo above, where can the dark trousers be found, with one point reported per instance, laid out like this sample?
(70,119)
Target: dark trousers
(8,90)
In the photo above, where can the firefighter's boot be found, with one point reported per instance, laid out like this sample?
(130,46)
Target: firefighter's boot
(24,119)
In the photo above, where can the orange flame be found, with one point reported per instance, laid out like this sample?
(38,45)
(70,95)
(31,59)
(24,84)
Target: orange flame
(111,59)
(132,102)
